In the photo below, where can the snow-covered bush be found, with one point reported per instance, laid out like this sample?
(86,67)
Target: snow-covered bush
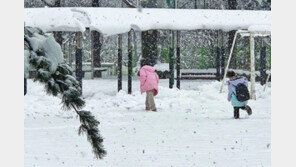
(44,55)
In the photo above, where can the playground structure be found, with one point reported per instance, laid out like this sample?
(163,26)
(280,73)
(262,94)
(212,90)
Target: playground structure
(116,21)
(251,33)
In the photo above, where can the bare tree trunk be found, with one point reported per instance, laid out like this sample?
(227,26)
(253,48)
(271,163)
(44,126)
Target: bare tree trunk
(149,39)
(149,46)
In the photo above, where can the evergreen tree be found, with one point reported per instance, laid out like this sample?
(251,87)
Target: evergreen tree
(58,79)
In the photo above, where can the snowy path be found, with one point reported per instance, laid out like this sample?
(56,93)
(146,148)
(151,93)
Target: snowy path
(193,127)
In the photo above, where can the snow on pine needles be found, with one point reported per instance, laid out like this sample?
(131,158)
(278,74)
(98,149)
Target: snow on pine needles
(193,127)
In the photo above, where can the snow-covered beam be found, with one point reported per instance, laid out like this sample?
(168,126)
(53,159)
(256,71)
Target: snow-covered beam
(111,21)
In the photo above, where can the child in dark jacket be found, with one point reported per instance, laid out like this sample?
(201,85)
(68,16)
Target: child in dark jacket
(232,84)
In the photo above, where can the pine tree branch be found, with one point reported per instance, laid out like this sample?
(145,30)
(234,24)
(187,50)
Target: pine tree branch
(62,81)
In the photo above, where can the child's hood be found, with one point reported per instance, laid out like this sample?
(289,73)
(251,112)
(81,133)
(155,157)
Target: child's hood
(148,68)
(236,81)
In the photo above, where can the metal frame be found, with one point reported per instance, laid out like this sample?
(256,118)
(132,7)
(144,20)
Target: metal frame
(252,57)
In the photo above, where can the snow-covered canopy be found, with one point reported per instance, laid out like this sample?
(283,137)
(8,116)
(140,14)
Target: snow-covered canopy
(111,21)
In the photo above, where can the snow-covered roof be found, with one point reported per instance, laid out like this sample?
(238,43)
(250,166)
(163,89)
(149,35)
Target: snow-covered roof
(111,21)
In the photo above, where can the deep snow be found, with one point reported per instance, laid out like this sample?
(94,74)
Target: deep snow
(193,127)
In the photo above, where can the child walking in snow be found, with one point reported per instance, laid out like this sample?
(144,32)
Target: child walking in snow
(238,93)
(149,84)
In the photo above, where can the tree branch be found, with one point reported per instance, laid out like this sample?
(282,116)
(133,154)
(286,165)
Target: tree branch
(129,4)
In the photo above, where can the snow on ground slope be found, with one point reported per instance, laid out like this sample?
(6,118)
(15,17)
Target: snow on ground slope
(193,127)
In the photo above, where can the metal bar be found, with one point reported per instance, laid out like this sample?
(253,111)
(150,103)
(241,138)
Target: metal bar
(218,65)
(92,57)
(228,62)
(119,71)
(218,56)
(263,65)
(178,59)
(252,62)
(96,50)
(222,56)
(171,63)
(78,58)
(129,83)
(70,50)
(266,81)
(25,86)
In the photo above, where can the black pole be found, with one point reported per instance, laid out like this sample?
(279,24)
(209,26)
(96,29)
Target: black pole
(129,86)
(119,71)
(171,63)
(218,64)
(222,54)
(218,55)
(78,58)
(25,86)
(96,45)
(96,51)
(195,4)
(178,59)
(263,65)
(222,61)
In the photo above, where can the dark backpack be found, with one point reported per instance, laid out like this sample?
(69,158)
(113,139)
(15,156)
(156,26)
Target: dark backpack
(241,92)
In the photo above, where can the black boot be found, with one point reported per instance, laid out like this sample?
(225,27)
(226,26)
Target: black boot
(249,110)
(236,113)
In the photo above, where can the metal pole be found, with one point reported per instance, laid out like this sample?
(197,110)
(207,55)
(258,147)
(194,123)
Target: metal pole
(119,71)
(129,63)
(229,58)
(266,81)
(119,61)
(96,46)
(25,86)
(171,52)
(178,59)
(92,57)
(135,43)
(222,55)
(70,50)
(171,63)
(252,61)
(218,52)
(195,4)
(262,64)
(78,58)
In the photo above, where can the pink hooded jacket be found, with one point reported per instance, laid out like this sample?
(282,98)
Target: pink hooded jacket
(148,79)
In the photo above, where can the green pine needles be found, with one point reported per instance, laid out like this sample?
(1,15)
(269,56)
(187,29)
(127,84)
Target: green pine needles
(61,82)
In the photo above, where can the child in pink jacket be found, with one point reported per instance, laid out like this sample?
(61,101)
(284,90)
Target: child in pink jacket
(149,84)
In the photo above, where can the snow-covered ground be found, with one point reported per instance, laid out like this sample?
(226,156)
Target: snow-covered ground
(193,127)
